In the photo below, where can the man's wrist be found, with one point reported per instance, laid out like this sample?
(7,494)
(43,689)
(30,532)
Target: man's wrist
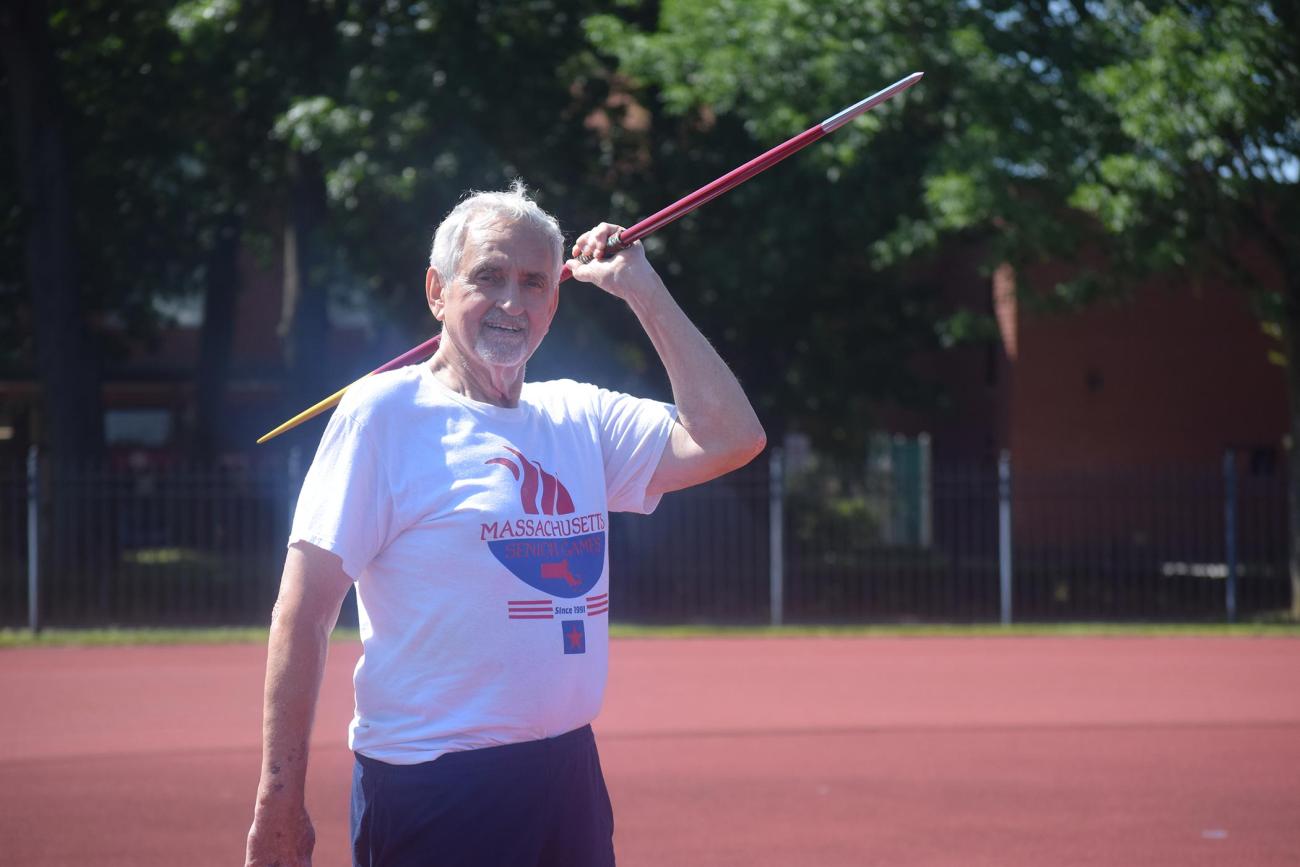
(651,298)
(279,797)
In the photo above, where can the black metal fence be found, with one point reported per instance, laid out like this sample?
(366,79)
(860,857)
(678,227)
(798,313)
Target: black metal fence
(13,544)
(1150,543)
(702,557)
(178,545)
(819,543)
(860,547)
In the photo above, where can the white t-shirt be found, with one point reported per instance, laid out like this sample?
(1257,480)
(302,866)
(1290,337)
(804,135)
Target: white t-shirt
(476,536)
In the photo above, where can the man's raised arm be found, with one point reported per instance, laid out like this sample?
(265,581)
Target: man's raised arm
(717,430)
(311,591)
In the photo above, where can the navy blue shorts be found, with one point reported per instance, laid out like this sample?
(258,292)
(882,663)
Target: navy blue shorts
(533,804)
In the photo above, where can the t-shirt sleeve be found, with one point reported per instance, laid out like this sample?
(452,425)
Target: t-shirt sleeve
(345,506)
(634,432)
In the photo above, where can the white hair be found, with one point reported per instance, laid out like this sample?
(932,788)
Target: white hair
(480,207)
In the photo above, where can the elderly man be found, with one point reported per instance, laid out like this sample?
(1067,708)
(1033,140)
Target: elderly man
(469,508)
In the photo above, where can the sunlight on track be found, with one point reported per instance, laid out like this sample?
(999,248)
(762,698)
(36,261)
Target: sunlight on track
(830,751)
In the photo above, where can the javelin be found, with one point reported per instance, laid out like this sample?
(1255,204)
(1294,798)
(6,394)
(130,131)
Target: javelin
(652,223)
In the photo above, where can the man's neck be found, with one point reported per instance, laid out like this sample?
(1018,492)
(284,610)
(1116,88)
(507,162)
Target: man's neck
(479,382)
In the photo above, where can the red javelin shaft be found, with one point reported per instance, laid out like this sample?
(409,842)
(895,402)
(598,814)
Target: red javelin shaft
(761,163)
(729,181)
(658,220)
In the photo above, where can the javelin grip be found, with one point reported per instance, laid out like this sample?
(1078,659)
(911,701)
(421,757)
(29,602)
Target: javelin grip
(613,244)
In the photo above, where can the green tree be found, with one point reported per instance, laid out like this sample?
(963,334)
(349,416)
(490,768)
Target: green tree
(725,81)
(52,272)
(1164,137)
(1160,137)
(160,176)
(335,131)
(438,99)
(383,116)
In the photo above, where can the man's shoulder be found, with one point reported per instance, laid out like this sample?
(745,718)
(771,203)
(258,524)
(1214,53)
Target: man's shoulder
(561,395)
(381,394)
(559,389)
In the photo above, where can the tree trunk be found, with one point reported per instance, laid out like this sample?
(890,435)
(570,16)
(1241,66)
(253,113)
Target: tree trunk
(65,360)
(304,322)
(216,340)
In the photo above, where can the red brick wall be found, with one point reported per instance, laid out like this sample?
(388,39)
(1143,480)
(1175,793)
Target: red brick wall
(1175,376)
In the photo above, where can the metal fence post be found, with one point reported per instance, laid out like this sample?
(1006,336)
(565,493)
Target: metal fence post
(1004,533)
(33,541)
(776,534)
(926,534)
(1230,531)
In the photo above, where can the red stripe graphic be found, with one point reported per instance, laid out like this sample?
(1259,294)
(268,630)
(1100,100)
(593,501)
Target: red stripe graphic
(530,609)
(597,598)
(592,612)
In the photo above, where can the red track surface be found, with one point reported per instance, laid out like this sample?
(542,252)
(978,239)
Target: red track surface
(725,752)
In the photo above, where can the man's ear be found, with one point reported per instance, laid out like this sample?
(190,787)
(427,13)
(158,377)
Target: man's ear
(433,288)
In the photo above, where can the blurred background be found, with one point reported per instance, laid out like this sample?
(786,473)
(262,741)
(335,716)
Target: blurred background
(1023,339)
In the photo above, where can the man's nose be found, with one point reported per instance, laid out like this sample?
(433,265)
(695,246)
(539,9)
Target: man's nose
(511,299)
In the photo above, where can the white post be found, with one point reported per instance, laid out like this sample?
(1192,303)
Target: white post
(926,535)
(33,541)
(1004,533)
(776,534)
(1230,531)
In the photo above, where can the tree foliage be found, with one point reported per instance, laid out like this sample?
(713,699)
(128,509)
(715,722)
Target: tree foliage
(1126,139)
(783,273)
(1164,133)
(1150,135)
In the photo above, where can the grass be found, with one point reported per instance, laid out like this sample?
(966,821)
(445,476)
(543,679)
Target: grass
(976,630)
(121,636)
(11,638)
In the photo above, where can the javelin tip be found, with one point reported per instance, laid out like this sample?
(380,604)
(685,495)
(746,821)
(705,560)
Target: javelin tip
(836,121)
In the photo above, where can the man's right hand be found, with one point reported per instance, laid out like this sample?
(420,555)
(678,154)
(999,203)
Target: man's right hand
(284,840)
(311,591)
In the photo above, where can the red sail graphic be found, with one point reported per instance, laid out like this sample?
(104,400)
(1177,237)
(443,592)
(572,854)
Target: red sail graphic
(548,491)
(508,464)
(556,499)
(528,491)
(563,502)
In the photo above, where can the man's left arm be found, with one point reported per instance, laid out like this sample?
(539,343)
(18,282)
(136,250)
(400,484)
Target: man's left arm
(717,430)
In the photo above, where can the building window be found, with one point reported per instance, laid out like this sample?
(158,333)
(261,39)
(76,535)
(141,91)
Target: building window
(147,428)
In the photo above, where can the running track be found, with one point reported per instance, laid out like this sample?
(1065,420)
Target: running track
(1015,752)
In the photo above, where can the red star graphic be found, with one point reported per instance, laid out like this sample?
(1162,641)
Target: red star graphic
(574,636)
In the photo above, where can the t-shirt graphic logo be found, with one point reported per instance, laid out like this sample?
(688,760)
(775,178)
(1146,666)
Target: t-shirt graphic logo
(562,556)
(575,636)
(555,497)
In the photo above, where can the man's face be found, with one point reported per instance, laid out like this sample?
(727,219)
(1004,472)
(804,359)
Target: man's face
(499,305)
